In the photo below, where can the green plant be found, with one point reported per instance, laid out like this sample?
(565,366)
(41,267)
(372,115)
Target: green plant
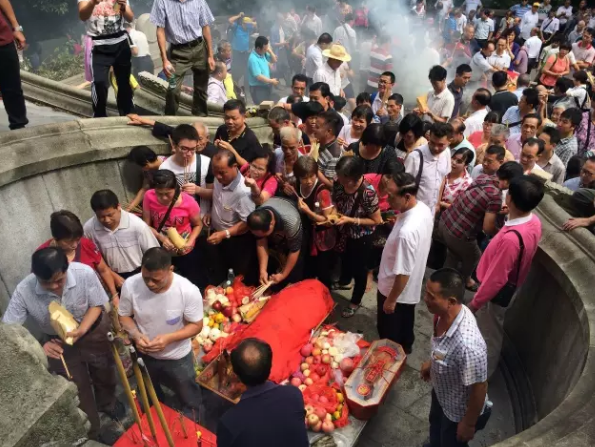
(61,65)
(58,7)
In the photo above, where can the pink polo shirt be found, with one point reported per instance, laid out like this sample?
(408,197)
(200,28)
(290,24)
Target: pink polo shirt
(498,265)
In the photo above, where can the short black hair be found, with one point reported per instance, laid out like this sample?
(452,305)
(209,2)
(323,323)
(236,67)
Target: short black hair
(466,153)
(310,108)
(396,97)
(226,154)
(487,43)
(321,87)
(483,96)
(526,192)
(496,150)
(305,166)
(574,166)
(499,79)
(299,78)
(441,130)
(292,99)
(339,103)
(451,283)
(390,74)
(580,76)
(363,97)
(437,73)
(156,258)
(363,111)
(325,38)
(333,120)
(492,117)
(235,104)
(165,179)
(563,84)
(104,200)
(252,361)
(391,129)
(458,125)
(48,261)
(350,167)
(184,132)
(463,68)
(142,156)
(535,141)
(565,46)
(406,183)
(260,220)
(412,122)
(65,225)
(374,135)
(532,115)
(553,133)
(279,115)
(261,42)
(510,170)
(531,96)
(574,115)
(591,31)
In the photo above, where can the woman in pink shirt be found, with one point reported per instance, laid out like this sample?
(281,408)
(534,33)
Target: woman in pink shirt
(556,66)
(184,216)
(260,176)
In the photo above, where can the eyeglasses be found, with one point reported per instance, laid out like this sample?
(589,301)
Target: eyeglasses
(257,168)
(383,82)
(586,173)
(187,149)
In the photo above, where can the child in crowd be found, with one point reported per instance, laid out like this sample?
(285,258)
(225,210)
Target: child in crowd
(145,158)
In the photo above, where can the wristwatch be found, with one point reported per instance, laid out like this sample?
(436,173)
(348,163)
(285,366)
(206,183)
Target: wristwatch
(227,234)
(18,28)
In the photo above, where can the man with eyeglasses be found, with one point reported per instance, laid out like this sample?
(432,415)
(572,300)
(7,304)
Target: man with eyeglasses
(583,198)
(191,169)
(385,83)
(586,179)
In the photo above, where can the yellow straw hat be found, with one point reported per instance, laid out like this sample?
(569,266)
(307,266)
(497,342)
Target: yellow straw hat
(337,52)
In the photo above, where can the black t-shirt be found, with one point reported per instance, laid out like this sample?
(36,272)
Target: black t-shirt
(501,101)
(377,165)
(161,130)
(246,145)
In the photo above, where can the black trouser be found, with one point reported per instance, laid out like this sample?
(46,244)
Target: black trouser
(127,275)
(10,87)
(261,93)
(321,266)
(143,63)
(237,253)
(481,42)
(443,431)
(179,376)
(91,364)
(354,266)
(397,326)
(119,57)
(187,266)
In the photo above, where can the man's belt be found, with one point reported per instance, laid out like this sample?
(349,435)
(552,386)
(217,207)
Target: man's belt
(190,44)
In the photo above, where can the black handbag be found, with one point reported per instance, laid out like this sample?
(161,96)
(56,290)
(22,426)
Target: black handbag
(504,296)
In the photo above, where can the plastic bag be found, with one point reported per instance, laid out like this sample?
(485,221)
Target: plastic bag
(346,343)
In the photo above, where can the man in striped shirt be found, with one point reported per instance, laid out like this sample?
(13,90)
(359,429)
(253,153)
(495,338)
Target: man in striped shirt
(381,60)
(185,25)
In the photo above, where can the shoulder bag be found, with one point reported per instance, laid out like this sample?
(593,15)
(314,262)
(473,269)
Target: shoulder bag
(421,167)
(168,212)
(504,296)
(342,242)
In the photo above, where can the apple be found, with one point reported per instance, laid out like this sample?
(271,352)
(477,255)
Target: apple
(217,306)
(315,397)
(316,351)
(315,377)
(333,351)
(304,366)
(321,370)
(306,373)
(308,381)
(309,360)
(309,410)
(317,359)
(324,351)
(306,350)
(328,426)
(227,311)
(237,318)
(302,387)
(323,400)
(347,365)
(316,428)
(313,419)
(320,412)
(326,359)
(326,345)
(296,382)
(229,291)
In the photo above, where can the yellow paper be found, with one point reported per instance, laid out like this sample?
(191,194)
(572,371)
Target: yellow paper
(62,321)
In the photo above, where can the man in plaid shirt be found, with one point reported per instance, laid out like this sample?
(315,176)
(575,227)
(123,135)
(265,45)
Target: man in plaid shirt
(458,365)
(472,211)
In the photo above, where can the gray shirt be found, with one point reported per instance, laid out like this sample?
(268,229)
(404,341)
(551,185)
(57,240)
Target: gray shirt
(555,167)
(288,222)
(231,204)
(82,291)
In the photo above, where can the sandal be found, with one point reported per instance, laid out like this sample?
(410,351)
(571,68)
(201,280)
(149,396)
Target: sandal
(337,286)
(472,288)
(349,311)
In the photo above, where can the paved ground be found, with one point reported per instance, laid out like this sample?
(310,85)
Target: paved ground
(38,115)
(403,419)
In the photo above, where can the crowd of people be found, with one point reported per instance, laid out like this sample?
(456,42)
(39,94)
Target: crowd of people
(360,184)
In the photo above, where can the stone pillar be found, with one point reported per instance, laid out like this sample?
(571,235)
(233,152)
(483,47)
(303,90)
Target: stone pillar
(37,407)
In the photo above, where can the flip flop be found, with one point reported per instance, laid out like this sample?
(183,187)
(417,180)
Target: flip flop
(338,286)
(472,288)
(349,312)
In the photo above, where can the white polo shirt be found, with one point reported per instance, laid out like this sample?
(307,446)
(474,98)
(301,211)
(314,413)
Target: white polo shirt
(441,104)
(501,61)
(528,22)
(162,313)
(406,253)
(330,76)
(533,45)
(124,247)
(434,170)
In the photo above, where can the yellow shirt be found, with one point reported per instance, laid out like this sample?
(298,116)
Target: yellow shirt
(228,83)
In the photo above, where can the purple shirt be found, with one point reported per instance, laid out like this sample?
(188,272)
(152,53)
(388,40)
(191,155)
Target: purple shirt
(523,59)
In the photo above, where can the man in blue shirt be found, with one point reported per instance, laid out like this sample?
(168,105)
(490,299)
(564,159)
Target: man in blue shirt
(267,414)
(259,71)
(241,28)
(520,9)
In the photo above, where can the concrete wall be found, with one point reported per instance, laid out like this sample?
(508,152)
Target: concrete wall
(548,326)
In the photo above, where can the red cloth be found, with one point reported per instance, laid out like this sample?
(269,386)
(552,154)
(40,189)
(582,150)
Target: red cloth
(89,253)
(285,323)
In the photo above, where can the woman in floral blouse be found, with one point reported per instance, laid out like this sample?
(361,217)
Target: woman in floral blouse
(458,180)
(357,203)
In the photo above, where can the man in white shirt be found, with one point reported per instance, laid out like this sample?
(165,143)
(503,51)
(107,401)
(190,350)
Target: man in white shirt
(345,35)
(564,13)
(532,150)
(533,46)
(216,92)
(122,237)
(479,103)
(440,100)
(471,5)
(162,312)
(500,59)
(430,164)
(480,67)
(191,169)
(529,21)
(312,21)
(299,83)
(314,59)
(141,55)
(329,72)
(484,27)
(549,26)
(403,263)
(460,21)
